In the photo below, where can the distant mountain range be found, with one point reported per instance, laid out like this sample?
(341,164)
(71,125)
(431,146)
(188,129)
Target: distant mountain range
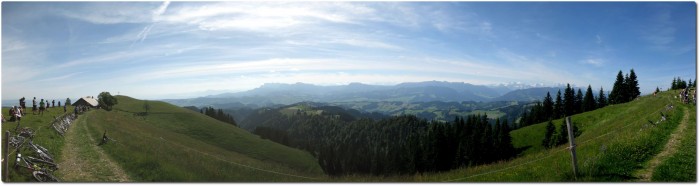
(284,94)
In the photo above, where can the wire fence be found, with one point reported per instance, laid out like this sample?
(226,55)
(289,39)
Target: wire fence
(550,154)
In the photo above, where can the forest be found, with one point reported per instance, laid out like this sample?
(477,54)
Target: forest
(625,89)
(395,145)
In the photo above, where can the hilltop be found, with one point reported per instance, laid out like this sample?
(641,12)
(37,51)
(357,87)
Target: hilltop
(176,144)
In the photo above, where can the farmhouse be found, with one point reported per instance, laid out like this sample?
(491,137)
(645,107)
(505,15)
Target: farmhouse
(86,101)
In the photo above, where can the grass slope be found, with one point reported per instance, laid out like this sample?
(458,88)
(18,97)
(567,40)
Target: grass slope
(681,167)
(615,141)
(44,135)
(177,144)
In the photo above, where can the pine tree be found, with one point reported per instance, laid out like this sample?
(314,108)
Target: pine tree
(615,96)
(547,106)
(523,120)
(563,134)
(602,100)
(633,86)
(558,106)
(674,85)
(691,83)
(578,102)
(624,91)
(548,133)
(569,104)
(505,141)
(682,84)
(589,102)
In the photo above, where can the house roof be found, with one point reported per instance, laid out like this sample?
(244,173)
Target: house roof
(89,100)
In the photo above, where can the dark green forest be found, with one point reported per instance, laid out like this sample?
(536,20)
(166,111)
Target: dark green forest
(625,89)
(396,145)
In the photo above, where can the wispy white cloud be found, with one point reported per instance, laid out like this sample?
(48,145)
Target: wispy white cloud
(598,39)
(594,61)
(660,32)
(12,44)
(110,13)
(59,78)
(161,9)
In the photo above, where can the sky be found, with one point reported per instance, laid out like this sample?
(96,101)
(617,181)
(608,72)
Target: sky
(159,50)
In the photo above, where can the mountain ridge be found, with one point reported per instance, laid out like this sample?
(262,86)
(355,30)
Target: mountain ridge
(284,94)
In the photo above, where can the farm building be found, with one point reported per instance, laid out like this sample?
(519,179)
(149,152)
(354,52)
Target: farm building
(86,101)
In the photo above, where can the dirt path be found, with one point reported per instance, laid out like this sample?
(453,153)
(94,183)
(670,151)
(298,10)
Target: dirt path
(669,149)
(84,161)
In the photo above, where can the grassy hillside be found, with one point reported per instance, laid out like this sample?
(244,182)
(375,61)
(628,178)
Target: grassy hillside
(177,144)
(615,141)
(45,136)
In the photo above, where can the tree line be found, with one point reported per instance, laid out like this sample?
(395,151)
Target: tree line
(679,83)
(625,89)
(396,145)
(218,114)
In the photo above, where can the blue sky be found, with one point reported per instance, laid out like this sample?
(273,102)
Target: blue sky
(157,50)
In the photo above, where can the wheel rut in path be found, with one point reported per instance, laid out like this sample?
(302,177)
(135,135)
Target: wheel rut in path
(83,161)
(670,148)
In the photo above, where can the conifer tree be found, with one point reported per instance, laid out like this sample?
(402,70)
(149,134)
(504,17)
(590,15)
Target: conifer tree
(682,84)
(589,102)
(548,133)
(562,136)
(569,101)
(674,85)
(547,106)
(558,106)
(624,91)
(632,86)
(578,102)
(602,100)
(691,83)
(615,96)
(505,141)
(523,120)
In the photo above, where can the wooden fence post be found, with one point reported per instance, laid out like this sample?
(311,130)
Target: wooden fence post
(572,146)
(6,169)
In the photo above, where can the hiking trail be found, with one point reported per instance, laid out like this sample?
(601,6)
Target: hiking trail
(83,161)
(670,148)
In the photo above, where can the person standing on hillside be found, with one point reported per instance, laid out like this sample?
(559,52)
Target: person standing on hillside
(64,107)
(11,112)
(34,106)
(53,103)
(23,105)
(41,107)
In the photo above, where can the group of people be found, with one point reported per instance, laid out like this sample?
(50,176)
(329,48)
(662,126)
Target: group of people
(16,112)
(43,105)
(80,109)
(687,95)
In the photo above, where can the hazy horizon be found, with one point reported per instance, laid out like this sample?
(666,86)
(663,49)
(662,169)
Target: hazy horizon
(158,50)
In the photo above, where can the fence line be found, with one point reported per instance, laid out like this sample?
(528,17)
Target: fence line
(552,153)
